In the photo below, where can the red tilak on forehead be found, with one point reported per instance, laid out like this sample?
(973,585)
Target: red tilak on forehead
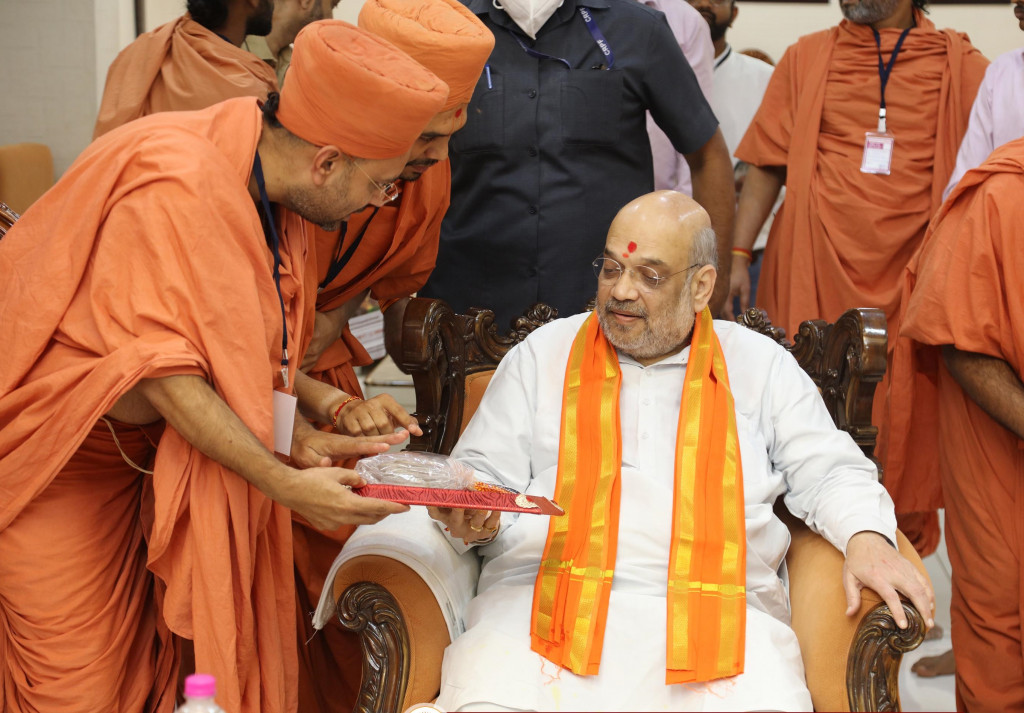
(458,113)
(631,247)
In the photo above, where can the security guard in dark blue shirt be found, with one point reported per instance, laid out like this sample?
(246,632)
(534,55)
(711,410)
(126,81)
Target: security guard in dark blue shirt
(556,143)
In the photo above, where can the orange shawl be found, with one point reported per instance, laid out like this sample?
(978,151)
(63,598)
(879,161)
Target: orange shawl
(121,275)
(394,260)
(842,238)
(959,289)
(707,567)
(179,66)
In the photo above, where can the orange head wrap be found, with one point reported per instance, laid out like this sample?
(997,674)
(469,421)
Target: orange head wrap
(350,89)
(442,35)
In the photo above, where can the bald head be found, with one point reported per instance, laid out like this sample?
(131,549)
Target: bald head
(666,225)
(658,272)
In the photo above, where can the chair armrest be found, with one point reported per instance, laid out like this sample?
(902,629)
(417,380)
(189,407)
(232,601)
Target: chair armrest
(851,663)
(389,575)
(872,671)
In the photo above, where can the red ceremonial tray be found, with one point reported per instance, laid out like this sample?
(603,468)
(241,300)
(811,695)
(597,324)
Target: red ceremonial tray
(470,499)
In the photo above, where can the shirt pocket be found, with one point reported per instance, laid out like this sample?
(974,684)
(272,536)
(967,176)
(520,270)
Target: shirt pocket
(592,106)
(485,117)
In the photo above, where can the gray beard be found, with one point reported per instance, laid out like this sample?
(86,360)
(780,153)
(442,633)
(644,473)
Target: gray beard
(868,12)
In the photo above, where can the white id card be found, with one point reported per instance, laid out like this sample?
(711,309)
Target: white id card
(284,421)
(877,152)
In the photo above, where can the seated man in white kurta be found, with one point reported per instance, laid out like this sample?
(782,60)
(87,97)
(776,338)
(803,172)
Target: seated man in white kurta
(660,588)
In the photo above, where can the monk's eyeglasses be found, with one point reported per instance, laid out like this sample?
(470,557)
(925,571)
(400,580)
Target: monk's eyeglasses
(389,191)
(609,271)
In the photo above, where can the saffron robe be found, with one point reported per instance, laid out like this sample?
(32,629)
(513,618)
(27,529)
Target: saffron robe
(964,288)
(393,260)
(842,238)
(147,259)
(179,66)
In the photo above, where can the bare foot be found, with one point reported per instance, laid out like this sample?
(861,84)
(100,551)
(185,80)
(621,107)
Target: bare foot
(932,666)
(934,633)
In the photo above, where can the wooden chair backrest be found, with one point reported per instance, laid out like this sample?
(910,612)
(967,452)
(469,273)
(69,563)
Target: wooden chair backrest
(441,349)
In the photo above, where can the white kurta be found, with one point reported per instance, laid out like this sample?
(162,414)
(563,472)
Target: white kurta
(740,84)
(671,172)
(788,446)
(997,115)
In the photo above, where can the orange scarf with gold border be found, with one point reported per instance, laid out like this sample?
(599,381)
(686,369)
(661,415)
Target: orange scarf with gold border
(707,567)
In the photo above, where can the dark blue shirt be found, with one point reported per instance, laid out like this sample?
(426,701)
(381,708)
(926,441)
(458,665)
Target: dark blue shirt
(550,154)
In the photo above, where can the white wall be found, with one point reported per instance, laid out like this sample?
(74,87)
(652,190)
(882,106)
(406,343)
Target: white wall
(773,26)
(48,55)
(55,53)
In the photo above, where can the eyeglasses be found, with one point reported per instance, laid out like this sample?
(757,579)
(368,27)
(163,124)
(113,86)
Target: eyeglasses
(609,271)
(715,3)
(388,192)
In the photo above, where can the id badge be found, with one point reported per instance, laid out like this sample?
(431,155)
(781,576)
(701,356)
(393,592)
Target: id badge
(877,152)
(284,421)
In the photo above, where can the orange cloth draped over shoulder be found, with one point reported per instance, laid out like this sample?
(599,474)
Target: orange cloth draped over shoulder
(179,66)
(116,271)
(398,243)
(842,237)
(393,259)
(964,289)
(393,251)
(707,567)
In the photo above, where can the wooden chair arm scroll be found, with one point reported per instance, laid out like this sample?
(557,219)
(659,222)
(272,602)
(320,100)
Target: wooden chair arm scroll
(872,672)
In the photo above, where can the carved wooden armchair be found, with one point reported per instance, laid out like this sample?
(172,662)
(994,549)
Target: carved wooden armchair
(851,663)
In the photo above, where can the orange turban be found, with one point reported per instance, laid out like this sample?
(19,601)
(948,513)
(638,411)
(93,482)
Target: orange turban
(353,90)
(442,35)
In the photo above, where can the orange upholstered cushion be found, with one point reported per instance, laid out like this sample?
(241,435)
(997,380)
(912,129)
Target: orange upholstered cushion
(476,385)
(428,632)
(26,172)
(818,603)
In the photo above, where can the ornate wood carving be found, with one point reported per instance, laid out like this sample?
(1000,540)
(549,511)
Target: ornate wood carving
(846,360)
(371,612)
(757,320)
(439,349)
(872,669)
(7,218)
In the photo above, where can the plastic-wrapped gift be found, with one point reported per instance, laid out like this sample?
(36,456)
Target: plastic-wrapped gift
(432,479)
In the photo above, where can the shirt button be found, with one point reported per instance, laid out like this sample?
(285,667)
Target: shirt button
(647,402)
(531,272)
(532,93)
(643,436)
(532,151)
(533,210)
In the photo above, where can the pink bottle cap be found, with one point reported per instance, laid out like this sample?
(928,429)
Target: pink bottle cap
(200,685)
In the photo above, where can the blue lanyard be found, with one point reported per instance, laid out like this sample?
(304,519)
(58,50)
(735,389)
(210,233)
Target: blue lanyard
(595,32)
(338,261)
(275,247)
(884,70)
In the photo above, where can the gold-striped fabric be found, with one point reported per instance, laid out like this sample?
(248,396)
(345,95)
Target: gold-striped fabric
(707,567)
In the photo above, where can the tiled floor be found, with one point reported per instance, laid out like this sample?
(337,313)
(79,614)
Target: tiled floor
(916,693)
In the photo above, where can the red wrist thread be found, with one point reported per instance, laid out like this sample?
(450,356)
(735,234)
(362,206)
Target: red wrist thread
(337,411)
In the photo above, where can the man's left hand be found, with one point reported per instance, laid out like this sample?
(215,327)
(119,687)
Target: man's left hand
(872,562)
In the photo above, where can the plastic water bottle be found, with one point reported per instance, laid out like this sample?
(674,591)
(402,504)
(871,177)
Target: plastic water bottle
(200,688)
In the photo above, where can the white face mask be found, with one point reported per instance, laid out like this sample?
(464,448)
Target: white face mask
(530,15)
